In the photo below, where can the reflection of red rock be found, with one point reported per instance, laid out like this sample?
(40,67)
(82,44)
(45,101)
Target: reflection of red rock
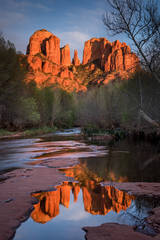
(101,200)
(75,191)
(81,173)
(47,208)
(65,194)
(96,199)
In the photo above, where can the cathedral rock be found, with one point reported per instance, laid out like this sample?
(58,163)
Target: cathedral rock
(102,62)
(109,56)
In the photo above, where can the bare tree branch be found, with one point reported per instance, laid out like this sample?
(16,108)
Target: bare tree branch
(140,21)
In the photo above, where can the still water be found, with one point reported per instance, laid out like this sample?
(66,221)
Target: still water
(61,214)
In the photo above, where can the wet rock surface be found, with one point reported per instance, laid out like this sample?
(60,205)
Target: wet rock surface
(111,231)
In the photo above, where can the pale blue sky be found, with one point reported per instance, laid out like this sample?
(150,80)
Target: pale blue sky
(73,21)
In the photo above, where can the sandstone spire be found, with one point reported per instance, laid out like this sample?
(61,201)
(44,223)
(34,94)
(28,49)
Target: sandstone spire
(53,49)
(76,60)
(65,56)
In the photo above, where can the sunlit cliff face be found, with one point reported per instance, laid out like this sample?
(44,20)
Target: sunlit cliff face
(97,200)
(103,62)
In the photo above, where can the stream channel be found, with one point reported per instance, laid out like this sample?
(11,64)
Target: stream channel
(83,200)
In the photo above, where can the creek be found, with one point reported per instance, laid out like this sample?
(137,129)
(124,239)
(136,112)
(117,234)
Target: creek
(83,200)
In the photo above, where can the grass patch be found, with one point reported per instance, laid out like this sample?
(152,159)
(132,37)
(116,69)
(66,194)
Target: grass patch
(27,132)
(38,131)
(4,132)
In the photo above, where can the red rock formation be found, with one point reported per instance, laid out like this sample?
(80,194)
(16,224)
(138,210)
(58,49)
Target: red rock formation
(44,52)
(49,67)
(65,56)
(76,60)
(109,56)
(53,49)
(44,56)
(65,73)
(104,61)
(37,42)
(94,49)
(35,63)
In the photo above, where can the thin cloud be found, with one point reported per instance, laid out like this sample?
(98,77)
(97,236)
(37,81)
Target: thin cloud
(8,18)
(87,19)
(74,38)
(23,5)
(41,6)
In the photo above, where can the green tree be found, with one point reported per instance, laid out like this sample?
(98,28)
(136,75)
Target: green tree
(12,83)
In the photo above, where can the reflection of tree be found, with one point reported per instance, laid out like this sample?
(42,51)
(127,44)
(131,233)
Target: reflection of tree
(124,163)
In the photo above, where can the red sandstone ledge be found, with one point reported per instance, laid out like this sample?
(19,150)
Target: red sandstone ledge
(113,231)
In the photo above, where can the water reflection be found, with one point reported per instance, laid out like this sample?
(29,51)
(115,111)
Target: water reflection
(97,200)
(127,162)
(84,202)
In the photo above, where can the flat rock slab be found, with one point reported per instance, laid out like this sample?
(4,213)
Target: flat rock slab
(154,219)
(113,231)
